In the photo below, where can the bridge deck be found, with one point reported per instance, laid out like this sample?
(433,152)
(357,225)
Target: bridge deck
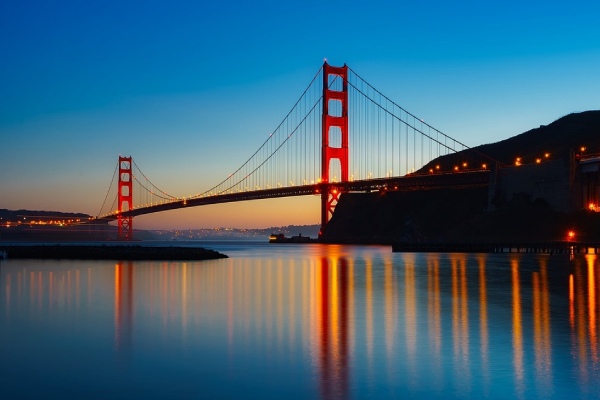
(409,182)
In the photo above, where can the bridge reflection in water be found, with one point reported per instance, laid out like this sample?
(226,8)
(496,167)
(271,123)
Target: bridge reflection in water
(368,323)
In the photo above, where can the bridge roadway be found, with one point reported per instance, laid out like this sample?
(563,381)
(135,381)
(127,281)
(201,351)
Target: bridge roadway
(475,178)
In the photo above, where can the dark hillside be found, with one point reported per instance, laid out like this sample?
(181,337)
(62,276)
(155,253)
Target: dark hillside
(568,133)
(460,215)
(558,138)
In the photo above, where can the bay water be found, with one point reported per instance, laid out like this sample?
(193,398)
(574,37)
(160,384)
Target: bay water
(302,321)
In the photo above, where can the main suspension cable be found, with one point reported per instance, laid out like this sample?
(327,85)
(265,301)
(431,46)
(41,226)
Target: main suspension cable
(108,191)
(150,182)
(413,116)
(264,143)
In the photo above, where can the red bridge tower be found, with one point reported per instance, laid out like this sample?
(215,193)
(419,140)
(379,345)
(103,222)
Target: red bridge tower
(330,193)
(125,200)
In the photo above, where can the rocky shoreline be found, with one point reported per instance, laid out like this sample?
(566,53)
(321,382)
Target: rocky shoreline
(110,252)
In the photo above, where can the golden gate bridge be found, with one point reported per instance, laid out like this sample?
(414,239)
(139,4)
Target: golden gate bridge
(342,135)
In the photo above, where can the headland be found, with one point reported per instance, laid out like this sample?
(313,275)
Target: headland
(547,188)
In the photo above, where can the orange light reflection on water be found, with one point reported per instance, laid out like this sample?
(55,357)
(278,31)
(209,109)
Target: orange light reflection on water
(117,303)
(591,261)
(410,310)
(541,329)
(332,324)
(483,324)
(517,327)
(580,335)
(391,313)
(369,312)
(369,309)
(434,315)
(460,321)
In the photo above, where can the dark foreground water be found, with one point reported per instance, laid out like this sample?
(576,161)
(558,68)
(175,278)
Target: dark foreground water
(302,321)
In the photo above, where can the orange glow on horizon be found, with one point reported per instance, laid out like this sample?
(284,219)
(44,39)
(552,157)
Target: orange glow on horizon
(264,213)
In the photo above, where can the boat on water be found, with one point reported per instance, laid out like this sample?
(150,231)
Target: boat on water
(281,238)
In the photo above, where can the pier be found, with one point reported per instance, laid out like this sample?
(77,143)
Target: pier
(500,247)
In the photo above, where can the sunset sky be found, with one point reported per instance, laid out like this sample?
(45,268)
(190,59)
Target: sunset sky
(191,89)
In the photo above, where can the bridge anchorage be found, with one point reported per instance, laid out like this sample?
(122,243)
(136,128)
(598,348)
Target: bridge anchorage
(319,150)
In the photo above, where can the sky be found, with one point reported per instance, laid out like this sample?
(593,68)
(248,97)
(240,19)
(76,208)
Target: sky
(191,89)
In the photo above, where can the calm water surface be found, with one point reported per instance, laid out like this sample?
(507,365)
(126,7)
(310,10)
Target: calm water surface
(302,321)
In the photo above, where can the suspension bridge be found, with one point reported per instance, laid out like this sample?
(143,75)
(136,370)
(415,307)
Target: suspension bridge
(342,135)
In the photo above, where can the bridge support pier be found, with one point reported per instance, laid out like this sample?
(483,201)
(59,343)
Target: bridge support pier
(330,194)
(125,199)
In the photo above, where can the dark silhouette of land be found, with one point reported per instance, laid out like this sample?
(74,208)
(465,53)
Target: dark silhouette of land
(465,215)
(52,226)
(113,252)
(26,216)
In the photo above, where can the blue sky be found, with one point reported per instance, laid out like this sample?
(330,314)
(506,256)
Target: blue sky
(175,84)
